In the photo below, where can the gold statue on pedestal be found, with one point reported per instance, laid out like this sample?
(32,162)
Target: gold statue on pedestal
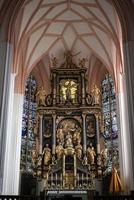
(104,156)
(60,135)
(77,135)
(59,151)
(91,154)
(41,94)
(78,150)
(68,140)
(34,155)
(47,154)
(96,94)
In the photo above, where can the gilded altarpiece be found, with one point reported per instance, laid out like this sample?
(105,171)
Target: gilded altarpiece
(69,131)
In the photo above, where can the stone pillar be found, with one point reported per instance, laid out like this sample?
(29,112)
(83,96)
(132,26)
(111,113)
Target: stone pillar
(40,134)
(54,135)
(98,133)
(126,137)
(5,71)
(84,133)
(13,142)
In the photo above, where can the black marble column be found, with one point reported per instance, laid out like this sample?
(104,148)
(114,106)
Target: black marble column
(97,133)
(40,134)
(83,88)
(84,133)
(54,135)
(54,89)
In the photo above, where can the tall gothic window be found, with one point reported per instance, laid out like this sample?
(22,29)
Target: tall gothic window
(28,124)
(110,131)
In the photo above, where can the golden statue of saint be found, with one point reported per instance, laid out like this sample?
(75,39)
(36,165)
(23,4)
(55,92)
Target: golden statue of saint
(59,151)
(91,154)
(68,91)
(77,135)
(34,155)
(78,150)
(104,155)
(68,142)
(47,154)
(41,94)
(96,94)
(60,135)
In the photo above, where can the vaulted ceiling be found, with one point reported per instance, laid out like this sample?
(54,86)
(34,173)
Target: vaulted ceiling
(46,28)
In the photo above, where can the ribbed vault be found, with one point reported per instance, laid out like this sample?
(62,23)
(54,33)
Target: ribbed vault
(45,27)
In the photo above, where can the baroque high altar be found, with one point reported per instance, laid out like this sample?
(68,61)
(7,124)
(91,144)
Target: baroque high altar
(69,130)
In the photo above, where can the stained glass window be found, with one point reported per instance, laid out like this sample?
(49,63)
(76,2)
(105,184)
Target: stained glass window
(28,124)
(110,131)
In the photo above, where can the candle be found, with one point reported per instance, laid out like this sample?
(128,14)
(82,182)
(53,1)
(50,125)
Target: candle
(56,178)
(47,176)
(82,177)
(78,178)
(52,177)
(61,179)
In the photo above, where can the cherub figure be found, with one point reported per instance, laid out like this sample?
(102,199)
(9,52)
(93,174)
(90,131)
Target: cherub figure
(54,61)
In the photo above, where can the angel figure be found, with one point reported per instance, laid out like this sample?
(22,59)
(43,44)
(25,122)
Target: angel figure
(82,62)
(54,61)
